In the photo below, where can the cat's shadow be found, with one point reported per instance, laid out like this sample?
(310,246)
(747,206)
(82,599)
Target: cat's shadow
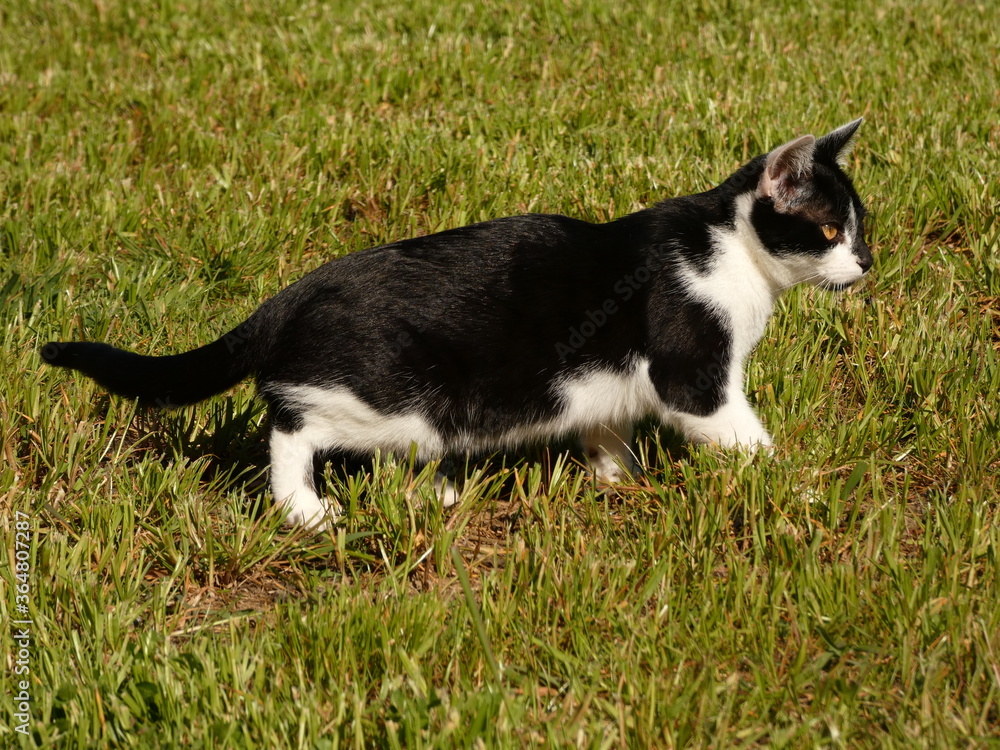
(230,441)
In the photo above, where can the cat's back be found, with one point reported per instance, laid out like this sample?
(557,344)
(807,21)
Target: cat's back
(523,255)
(485,248)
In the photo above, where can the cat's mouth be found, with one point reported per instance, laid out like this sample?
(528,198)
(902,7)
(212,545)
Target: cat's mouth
(836,286)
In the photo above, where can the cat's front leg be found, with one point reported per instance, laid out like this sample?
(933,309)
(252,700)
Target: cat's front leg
(733,425)
(446,490)
(609,451)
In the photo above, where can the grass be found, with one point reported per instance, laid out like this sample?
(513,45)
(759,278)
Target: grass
(165,167)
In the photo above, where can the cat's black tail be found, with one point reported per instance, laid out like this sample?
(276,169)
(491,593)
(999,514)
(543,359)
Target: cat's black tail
(173,380)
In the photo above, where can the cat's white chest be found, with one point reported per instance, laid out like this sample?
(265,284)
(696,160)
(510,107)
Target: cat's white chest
(736,289)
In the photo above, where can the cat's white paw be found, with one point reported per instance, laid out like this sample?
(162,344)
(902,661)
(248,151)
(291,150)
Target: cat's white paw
(446,491)
(611,469)
(759,443)
(748,444)
(733,426)
(310,512)
(609,452)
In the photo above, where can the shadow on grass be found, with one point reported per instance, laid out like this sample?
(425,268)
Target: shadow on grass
(229,437)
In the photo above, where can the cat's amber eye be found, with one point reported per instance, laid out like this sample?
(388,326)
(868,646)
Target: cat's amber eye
(830,231)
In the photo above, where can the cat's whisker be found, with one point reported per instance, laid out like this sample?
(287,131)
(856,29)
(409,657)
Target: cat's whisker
(798,282)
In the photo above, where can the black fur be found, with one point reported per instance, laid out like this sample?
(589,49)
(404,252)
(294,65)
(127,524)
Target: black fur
(173,380)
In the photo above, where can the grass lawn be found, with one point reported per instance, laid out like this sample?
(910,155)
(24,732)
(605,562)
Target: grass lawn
(164,167)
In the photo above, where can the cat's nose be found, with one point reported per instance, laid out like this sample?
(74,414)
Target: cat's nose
(864,256)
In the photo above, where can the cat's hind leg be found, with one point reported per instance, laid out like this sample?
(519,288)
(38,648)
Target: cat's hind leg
(292,484)
(609,451)
(307,420)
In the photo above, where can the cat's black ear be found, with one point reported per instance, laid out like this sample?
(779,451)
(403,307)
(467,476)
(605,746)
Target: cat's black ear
(786,169)
(836,146)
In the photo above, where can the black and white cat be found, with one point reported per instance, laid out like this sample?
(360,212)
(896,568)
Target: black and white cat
(527,328)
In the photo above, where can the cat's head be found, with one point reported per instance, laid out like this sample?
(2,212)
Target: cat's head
(807,214)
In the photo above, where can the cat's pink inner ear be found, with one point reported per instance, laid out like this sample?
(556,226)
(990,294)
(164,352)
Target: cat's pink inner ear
(785,169)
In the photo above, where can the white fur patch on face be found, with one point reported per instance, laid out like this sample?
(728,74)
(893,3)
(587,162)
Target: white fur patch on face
(837,268)
(840,267)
